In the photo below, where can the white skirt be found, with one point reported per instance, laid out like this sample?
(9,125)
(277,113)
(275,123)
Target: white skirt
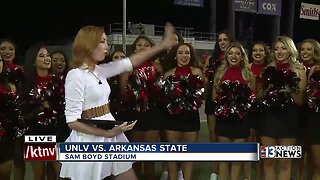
(93,170)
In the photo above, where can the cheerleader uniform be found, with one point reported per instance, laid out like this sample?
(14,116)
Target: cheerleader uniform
(281,122)
(304,109)
(152,118)
(257,70)
(313,124)
(185,121)
(233,127)
(118,106)
(313,127)
(6,143)
(115,99)
(209,105)
(14,74)
(61,130)
(35,126)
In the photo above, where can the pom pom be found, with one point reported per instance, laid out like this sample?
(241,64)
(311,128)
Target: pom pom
(57,98)
(313,91)
(12,124)
(276,98)
(292,80)
(52,94)
(279,78)
(274,82)
(183,93)
(14,74)
(211,69)
(141,89)
(234,100)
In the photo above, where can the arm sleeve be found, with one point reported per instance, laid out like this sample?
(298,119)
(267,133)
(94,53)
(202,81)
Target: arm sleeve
(74,95)
(114,68)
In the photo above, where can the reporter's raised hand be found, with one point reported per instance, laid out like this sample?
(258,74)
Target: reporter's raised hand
(167,42)
(169,39)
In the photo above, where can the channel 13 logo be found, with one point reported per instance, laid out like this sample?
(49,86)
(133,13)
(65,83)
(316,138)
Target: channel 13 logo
(280,152)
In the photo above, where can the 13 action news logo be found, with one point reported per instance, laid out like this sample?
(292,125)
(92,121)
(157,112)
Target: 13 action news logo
(281,151)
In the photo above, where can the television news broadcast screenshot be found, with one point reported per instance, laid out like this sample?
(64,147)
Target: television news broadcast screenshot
(160,90)
(45,148)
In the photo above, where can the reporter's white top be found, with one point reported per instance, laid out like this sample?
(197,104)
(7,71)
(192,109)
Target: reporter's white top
(82,92)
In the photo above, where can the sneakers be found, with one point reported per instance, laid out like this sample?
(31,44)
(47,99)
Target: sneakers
(164,175)
(180,175)
(214,176)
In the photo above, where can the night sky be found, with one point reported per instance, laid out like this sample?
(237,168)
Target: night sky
(57,20)
(27,22)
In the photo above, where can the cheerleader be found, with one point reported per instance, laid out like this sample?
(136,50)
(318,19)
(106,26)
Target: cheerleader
(260,56)
(280,120)
(118,93)
(211,65)
(313,125)
(39,112)
(232,127)
(144,105)
(7,128)
(167,64)
(306,57)
(15,76)
(183,126)
(59,69)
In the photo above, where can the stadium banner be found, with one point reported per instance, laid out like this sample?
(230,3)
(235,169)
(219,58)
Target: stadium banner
(249,6)
(196,3)
(270,7)
(309,11)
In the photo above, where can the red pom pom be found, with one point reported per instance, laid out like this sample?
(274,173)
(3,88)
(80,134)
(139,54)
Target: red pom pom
(12,124)
(142,88)
(51,92)
(313,91)
(234,100)
(275,80)
(183,93)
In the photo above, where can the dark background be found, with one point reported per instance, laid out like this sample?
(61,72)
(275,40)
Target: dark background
(27,22)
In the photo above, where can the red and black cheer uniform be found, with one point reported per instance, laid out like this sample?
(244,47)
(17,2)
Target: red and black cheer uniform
(233,127)
(118,105)
(40,124)
(313,124)
(148,118)
(214,63)
(257,70)
(281,122)
(62,129)
(6,132)
(185,121)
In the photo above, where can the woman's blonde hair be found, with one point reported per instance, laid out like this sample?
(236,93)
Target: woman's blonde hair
(316,47)
(288,42)
(86,40)
(225,65)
